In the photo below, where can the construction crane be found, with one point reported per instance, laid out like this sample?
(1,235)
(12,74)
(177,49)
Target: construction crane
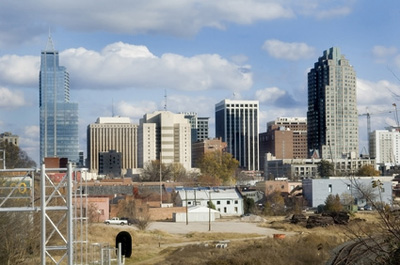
(368,115)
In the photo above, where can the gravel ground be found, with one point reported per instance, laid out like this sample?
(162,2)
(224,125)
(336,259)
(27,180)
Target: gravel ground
(231,226)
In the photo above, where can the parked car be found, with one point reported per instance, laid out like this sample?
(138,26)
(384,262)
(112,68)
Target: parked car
(367,207)
(130,220)
(115,221)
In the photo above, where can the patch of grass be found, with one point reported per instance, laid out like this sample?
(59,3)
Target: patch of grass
(297,250)
(309,246)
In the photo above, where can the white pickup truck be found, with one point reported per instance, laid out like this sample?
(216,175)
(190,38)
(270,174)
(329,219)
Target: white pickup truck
(116,221)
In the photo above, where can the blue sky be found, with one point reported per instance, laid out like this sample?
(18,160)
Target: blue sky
(129,53)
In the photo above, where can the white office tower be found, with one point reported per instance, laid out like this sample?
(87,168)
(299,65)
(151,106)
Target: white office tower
(164,136)
(332,116)
(236,122)
(384,146)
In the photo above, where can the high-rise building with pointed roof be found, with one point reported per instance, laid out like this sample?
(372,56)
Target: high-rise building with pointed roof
(58,116)
(332,117)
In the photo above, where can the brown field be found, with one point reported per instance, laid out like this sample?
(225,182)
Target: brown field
(304,246)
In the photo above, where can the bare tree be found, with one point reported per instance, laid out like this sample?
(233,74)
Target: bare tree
(136,211)
(153,172)
(20,236)
(382,240)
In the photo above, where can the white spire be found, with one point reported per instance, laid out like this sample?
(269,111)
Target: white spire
(50,45)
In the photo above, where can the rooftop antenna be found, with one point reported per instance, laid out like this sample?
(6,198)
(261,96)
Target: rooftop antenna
(165,100)
(396,115)
(112,107)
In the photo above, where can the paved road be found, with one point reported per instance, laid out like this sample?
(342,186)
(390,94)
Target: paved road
(232,226)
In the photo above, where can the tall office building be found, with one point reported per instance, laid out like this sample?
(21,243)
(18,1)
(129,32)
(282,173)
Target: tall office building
(236,122)
(164,136)
(112,134)
(199,126)
(332,107)
(384,146)
(58,116)
(285,138)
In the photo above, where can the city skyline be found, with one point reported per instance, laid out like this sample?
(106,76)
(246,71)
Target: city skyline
(123,59)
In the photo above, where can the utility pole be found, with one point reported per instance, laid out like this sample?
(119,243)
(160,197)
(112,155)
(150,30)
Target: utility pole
(4,158)
(187,211)
(209,210)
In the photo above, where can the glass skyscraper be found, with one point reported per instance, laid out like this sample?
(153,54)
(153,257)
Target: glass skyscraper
(236,122)
(58,116)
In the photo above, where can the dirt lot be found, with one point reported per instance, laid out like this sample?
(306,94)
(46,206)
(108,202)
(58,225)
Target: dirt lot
(220,226)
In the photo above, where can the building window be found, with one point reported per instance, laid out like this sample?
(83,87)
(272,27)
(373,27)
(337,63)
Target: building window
(330,188)
(218,202)
(228,202)
(224,209)
(236,202)
(236,209)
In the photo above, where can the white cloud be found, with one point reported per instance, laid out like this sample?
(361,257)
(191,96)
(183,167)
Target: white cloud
(382,53)
(121,65)
(397,61)
(32,131)
(376,98)
(203,106)
(288,50)
(323,9)
(19,70)
(376,95)
(334,12)
(135,110)
(269,95)
(239,59)
(173,17)
(11,99)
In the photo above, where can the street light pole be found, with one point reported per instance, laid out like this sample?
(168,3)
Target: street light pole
(160,184)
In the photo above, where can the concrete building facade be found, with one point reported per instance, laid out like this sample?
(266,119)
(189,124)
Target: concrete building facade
(112,133)
(164,136)
(110,163)
(236,122)
(315,191)
(8,137)
(385,147)
(332,107)
(227,200)
(207,145)
(286,138)
(295,169)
